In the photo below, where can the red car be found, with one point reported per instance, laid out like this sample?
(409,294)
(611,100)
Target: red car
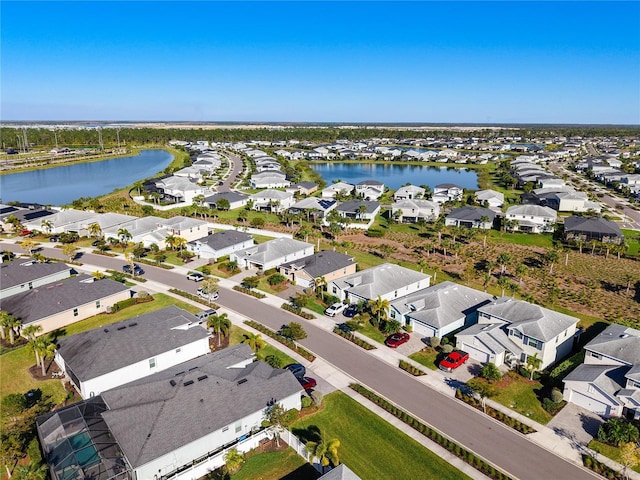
(397,339)
(454,360)
(307,383)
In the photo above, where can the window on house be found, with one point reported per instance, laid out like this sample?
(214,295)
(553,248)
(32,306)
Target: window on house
(395,294)
(335,290)
(97,303)
(635,384)
(516,333)
(75,312)
(178,350)
(238,426)
(30,285)
(596,355)
(225,429)
(532,342)
(152,363)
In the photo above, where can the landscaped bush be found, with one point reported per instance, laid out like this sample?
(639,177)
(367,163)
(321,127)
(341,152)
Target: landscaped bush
(616,431)
(492,412)
(433,434)
(353,339)
(155,263)
(289,417)
(238,288)
(407,367)
(195,298)
(283,340)
(301,313)
(600,468)
(116,307)
(276,279)
(274,361)
(306,402)
(374,233)
(552,407)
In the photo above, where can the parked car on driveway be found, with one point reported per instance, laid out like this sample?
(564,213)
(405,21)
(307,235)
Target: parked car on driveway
(297,369)
(204,314)
(207,295)
(335,309)
(397,339)
(54,238)
(453,360)
(195,276)
(136,270)
(307,383)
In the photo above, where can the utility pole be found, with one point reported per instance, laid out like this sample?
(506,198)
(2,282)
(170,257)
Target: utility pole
(25,144)
(118,135)
(100,138)
(55,133)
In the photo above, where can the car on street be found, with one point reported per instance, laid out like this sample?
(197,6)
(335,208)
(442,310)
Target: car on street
(204,294)
(344,327)
(297,369)
(204,314)
(307,383)
(453,360)
(195,276)
(335,309)
(136,270)
(397,339)
(97,242)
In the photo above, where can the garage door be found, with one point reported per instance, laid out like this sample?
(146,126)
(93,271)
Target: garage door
(475,353)
(423,329)
(589,403)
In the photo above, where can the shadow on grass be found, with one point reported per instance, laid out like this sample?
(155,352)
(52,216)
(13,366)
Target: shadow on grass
(304,472)
(308,434)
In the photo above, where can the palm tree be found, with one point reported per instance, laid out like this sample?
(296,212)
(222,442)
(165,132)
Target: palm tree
(234,460)
(503,282)
(391,326)
(254,340)
(36,344)
(32,471)
(95,230)
(533,364)
(628,278)
(138,185)
(521,271)
(12,324)
(47,349)
(124,235)
(31,331)
(503,260)
(378,308)
(220,325)
(326,451)
(179,242)
(170,242)
(47,225)
(362,209)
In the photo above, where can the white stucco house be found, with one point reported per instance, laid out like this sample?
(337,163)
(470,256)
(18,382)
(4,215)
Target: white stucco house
(409,192)
(447,192)
(219,244)
(272,200)
(490,198)
(608,382)
(272,254)
(341,188)
(410,211)
(532,218)
(370,189)
(269,179)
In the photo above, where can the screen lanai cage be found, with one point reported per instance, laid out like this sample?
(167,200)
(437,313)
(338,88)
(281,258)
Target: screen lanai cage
(78,445)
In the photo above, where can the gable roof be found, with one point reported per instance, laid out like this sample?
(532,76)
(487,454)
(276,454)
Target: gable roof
(103,350)
(313,203)
(441,304)
(471,213)
(591,224)
(532,210)
(224,239)
(158,414)
(18,272)
(609,378)
(492,337)
(619,342)
(321,263)
(47,300)
(341,472)
(230,196)
(532,320)
(272,250)
(380,280)
(351,206)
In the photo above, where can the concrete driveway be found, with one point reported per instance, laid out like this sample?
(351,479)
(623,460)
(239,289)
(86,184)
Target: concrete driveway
(576,424)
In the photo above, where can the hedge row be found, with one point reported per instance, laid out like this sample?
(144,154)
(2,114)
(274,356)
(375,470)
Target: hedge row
(106,254)
(456,449)
(297,311)
(129,302)
(353,339)
(253,293)
(195,298)
(497,414)
(415,371)
(283,340)
(137,278)
(153,263)
(600,468)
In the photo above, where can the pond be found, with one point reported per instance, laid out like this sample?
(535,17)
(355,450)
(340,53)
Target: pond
(62,185)
(394,175)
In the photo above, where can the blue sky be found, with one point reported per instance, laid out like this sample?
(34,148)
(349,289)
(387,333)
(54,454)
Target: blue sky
(478,62)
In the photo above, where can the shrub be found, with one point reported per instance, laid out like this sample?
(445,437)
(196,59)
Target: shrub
(556,395)
(274,361)
(448,348)
(616,431)
(238,288)
(293,331)
(490,372)
(407,367)
(434,342)
(374,233)
(297,311)
(276,279)
(289,417)
(306,402)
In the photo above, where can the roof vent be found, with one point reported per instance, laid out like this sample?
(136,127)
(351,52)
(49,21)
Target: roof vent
(106,330)
(172,382)
(187,383)
(122,327)
(193,368)
(179,373)
(133,324)
(240,382)
(624,335)
(203,377)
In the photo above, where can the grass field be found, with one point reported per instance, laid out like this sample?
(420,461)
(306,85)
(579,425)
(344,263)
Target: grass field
(370,446)
(428,358)
(608,451)
(286,464)
(237,335)
(517,393)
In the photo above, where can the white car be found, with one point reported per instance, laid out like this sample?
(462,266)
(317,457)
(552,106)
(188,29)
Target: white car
(335,309)
(195,276)
(203,294)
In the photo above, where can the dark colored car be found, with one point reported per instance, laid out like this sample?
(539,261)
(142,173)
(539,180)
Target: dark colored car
(307,383)
(95,243)
(136,270)
(297,369)
(397,339)
(453,360)
(344,327)
(54,238)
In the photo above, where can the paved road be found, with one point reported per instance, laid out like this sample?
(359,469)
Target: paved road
(504,447)
(235,172)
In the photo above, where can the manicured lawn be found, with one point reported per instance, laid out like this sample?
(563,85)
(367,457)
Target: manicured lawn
(370,446)
(428,358)
(237,337)
(316,306)
(632,238)
(373,333)
(519,396)
(275,466)
(608,451)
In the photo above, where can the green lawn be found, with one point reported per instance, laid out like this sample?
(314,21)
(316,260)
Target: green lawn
(372,332)
(427,358)
(608,451)
(275,466)
(632,238)
(316,306)
(237,335)
(370,446)
(519,396)
(533,239)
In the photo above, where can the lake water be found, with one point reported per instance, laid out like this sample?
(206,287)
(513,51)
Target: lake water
(395,175)
(62,185)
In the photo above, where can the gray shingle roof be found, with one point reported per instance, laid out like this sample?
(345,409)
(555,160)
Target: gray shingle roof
(25,270)
(351,206)
(272,250)
(472,213)
(341,472)
(380,280)
(230,196)
(609,378)
(103,350)
(54,298)
(441,304)
(151,417)
(492,337)
(619,342)
(321,263)
(593,224)
(224,239)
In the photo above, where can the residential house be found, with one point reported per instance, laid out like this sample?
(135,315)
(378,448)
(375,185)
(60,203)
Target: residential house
(105,358)
(440,309)
(56,305)
(303,188)
(324,266)
(531,218)
(274,201)
(180,189)
(509,331)
(235,199)
(565,199)
(313,207)
(24,274)
(411,211)
(490,198)
(370,189)
(185,227)
(409,192)
(585,229)
(33,215)
(271,254)
(387,281)
(447,192)
(608,382)
(359,209)
(470,217)
(340,188)
(176,423)
(60,221)
(217,245)
(269,179)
